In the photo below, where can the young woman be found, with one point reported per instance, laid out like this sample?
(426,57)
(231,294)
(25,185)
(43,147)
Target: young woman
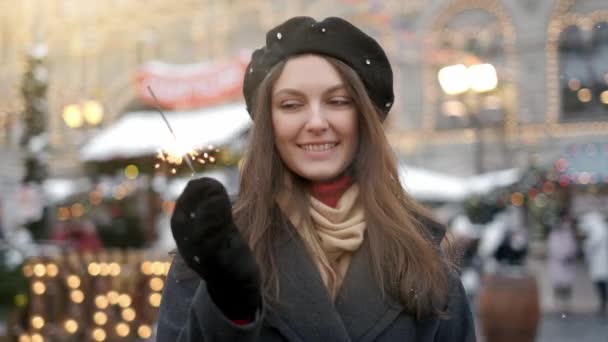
(322,244)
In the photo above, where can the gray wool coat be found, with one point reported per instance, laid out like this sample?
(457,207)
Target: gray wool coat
(306,313)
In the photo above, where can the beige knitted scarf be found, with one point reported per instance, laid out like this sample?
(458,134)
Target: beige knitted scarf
(336,233)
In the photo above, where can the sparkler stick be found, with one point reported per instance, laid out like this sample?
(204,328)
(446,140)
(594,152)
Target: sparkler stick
(157,105)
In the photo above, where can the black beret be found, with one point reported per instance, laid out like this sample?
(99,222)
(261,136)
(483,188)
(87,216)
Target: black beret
(333,37)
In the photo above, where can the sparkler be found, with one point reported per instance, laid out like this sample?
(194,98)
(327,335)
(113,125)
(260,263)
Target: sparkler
(169,157)
(176,156)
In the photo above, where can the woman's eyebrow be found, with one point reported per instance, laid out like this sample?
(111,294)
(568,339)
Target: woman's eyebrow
(335,88)
(287,91)
(291,91)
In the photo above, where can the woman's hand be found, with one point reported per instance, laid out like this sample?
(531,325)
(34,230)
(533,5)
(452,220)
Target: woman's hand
(210,243)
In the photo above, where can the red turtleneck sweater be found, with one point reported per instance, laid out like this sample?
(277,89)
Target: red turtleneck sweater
(330,192)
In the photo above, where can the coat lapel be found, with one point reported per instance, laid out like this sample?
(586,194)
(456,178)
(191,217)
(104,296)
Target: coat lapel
(305,311)
(363,310)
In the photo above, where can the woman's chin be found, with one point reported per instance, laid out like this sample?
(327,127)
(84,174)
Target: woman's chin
(321,176)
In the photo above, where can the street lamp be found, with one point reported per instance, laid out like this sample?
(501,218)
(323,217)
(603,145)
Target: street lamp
(469,82)
(89,113)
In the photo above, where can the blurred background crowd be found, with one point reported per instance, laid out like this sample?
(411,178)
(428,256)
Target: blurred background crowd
(500,125)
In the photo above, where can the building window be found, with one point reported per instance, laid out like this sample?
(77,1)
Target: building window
(583,68)
(470,47)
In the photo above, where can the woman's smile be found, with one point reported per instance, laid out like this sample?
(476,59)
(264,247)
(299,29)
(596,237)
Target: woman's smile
(314,119)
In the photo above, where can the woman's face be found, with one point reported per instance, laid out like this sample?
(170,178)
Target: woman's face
(314,119)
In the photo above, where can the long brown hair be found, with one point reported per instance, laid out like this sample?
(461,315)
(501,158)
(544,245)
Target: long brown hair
(405,260)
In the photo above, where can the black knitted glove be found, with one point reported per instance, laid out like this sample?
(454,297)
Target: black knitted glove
(210,243)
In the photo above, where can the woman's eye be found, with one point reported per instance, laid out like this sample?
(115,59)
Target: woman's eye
(289,105)
(340,101)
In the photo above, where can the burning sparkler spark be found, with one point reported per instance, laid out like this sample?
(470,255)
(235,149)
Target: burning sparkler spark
(177,153)
(176,157)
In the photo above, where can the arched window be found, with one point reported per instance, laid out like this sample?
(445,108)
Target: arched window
(583,69)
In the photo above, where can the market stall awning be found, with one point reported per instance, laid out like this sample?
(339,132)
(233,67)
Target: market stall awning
(427,185)
(487,182)
(143,133)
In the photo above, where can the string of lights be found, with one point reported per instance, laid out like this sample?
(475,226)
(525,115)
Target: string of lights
(107,296)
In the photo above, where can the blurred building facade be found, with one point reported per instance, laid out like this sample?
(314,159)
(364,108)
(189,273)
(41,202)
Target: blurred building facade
(550,59)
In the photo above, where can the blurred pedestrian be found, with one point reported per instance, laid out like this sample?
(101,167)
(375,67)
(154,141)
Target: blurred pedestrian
(562,252)
(595,245)
(325,244)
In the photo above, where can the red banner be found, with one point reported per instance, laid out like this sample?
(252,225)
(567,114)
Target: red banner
(192,85)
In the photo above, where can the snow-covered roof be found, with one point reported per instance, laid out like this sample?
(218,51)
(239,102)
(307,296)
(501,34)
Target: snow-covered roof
(486,182)
(427,185)
(144,133)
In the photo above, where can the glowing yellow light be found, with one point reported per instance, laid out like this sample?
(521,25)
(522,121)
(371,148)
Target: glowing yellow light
(452,79)
(119,192)
(37,338)
(604,97)
(37,322)
(146,268)
(167,267)
(93,112)
(77,210)
(100,318)
(574,84)
(77,296)
(114,269)
(39,270)
(482,77)
(124,300)
(122,329)
(128,314)
(27,271)
(156,284)
(94,269)
(101,302)
(24,338)
(131,171)
(95,197)
(99,334)
(454,108)
(113,297)
(517,199)
(154,299)
(584,95)
(144,331)
(158,268)
(63,213)
(73,281)
(71,326)
(104,269)
(52,270)
(38,287)
(72,116)
(212,159)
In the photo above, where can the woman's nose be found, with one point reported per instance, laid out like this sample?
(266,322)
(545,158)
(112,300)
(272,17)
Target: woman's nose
(317,120)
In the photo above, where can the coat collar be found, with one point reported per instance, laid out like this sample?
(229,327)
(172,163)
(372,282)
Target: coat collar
(305,310)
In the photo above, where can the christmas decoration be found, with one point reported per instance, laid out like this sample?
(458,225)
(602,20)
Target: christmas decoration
(34,140)
(111,295)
